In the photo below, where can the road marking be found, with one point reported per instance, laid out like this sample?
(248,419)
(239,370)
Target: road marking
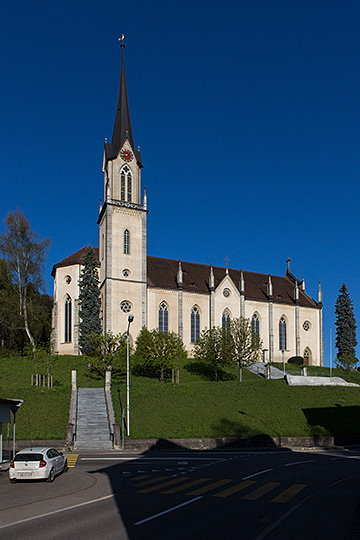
(211,486)
(234,489)
(163,485)
(299,462)
(186,486)
(261,491)
(151,481)
(71,459)
(289,493)
(21,521)
(167,511)
(257,474)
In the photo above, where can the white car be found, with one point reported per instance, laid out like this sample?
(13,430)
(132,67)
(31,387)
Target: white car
(37,463)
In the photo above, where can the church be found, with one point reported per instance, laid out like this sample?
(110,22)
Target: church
(174,295)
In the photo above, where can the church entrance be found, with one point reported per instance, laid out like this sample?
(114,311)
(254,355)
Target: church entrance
(307,357)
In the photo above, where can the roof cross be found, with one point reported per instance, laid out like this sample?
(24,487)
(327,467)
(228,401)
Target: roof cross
(226,261)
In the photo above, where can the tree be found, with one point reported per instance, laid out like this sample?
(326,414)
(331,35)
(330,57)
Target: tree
(246,346)
(89,298)
(106,351)
(213,348)
(346,362)
(158,352)
(345,323)
(25,256)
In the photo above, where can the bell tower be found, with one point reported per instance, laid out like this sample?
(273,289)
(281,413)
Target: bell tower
(122,225)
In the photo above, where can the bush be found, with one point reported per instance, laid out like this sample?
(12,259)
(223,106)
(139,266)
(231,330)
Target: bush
(296,361)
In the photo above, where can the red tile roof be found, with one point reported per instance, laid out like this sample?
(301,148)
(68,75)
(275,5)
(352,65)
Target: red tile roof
(162,273)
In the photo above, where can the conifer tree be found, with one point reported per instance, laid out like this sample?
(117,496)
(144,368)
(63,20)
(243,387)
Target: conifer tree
(89,298)
(345,323)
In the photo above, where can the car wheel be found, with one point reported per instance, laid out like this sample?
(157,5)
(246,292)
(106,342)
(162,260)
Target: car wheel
(66,467)
(12,480)
(51,476)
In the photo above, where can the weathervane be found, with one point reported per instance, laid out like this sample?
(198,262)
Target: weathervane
(121,39)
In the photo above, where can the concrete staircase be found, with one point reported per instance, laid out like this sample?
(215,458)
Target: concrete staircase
(92,425)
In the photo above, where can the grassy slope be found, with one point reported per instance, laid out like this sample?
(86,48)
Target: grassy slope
(195,408)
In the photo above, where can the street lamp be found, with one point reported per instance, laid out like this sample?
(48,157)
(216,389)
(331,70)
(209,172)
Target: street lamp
(283,359)
(130,320)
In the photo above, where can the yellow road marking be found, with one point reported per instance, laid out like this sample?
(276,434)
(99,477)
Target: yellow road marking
(289,493)
(163,485)
(261,491)
(71,459)
(234,489)
(143,476)
(187,485)
(209,487)
(151,481)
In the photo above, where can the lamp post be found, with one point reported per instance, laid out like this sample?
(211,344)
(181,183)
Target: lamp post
(283,359)
(130,320)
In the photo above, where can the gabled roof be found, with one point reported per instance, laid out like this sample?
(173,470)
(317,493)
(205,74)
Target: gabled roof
(122,124)
(75,258)
(162,274)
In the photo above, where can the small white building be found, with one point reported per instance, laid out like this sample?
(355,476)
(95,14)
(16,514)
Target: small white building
(173,295)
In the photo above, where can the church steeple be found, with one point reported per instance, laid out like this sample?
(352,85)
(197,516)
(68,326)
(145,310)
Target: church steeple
(122,125)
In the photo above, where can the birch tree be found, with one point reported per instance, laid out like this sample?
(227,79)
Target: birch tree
(25,255)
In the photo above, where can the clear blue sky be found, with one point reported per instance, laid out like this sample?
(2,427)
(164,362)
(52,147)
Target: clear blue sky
(247,113)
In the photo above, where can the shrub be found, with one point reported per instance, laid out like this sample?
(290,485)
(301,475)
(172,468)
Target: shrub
(296,361)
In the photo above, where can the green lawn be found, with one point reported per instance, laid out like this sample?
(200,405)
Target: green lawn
(198,407)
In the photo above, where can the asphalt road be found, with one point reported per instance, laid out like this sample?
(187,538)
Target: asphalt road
(181,494)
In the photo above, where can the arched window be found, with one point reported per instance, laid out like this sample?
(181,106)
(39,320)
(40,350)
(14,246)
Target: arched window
(307,357)
(68,319)
(195,324)
(225,321)
(282,334)
(126,242)
(122,186)
(129,187)
(255,323)
(163,318)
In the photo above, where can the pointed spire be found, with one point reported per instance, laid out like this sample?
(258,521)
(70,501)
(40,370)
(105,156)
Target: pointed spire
(122,124)
(320,294)
(242,283)
(270,288)
(302,284)
(180,276)
(296,293)
(211,279)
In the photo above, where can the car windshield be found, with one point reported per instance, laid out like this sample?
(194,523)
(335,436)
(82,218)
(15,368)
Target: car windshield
(28,457)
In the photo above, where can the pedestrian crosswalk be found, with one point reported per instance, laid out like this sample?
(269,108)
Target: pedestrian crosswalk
(249,490)
(71,459)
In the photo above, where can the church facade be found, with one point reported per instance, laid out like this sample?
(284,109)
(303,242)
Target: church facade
(173,295)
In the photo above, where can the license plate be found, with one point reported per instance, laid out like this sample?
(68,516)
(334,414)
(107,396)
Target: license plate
(25,474)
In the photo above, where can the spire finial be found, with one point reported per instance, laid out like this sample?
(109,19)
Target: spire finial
(288,264)
(121,40)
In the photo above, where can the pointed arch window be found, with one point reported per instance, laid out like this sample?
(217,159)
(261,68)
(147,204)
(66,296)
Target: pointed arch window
(226,318)
(122,186)
(163,318)
(129,187)
(126,242)
(195,324)
(68,313)
(307,357)
(282,334)
(255,323)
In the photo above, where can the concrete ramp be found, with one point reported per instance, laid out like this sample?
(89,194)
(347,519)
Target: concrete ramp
(299,380)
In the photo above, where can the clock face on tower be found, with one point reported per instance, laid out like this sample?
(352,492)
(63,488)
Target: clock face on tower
(126,155)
